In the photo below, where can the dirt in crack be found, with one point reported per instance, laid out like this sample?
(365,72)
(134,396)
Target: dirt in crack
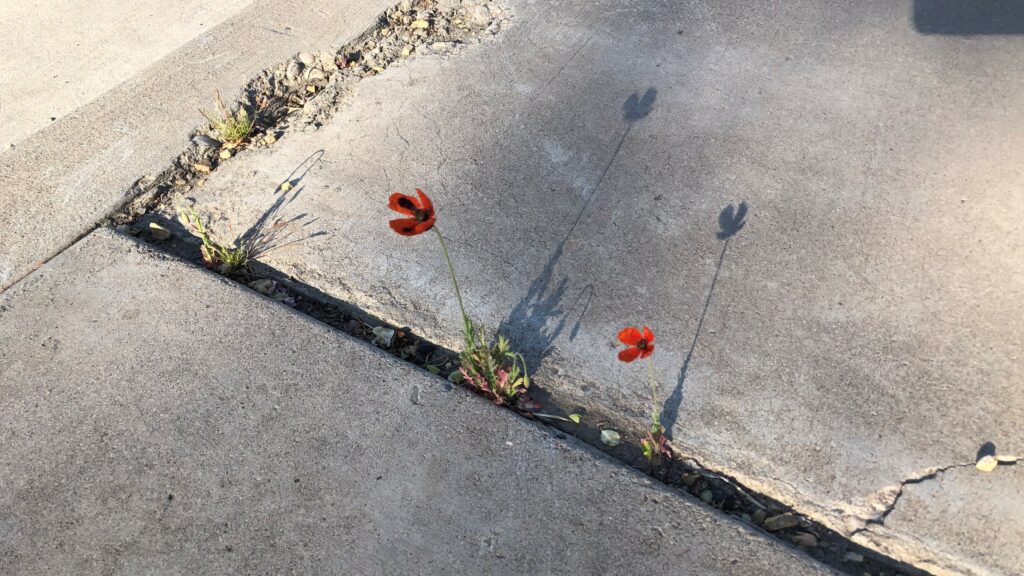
(307,90)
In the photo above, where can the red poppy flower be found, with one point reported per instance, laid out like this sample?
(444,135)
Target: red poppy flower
(638,345)
(420,209)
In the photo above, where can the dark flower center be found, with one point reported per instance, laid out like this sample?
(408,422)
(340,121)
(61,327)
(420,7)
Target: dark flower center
(642,344)
(421,215)
(406,203)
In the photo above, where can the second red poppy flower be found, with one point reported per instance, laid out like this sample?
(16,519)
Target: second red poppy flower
(639,345)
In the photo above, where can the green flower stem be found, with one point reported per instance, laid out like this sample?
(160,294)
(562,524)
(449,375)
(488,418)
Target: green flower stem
(466,326)
(655,416)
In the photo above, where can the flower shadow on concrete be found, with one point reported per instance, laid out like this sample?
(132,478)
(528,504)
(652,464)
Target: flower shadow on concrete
(730,221)
(540,317)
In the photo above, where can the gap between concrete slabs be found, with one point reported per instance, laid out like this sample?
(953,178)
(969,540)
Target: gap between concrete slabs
(157,418)
(686,472)
(838,358)
(884,495)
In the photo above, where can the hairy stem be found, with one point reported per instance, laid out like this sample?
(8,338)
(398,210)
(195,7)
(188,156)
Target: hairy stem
(655,416)
(467,328)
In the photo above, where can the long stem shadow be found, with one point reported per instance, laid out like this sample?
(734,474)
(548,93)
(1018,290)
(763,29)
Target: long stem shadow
(530,319)
(729,223)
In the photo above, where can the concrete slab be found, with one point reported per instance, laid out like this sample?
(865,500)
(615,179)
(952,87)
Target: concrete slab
(156,418)
(860,327)
(68,176)
(57,55)
(947,511)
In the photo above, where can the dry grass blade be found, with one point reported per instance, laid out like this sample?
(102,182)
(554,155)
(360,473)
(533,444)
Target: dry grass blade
(231,128)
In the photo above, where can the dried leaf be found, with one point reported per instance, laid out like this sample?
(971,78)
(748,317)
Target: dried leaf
(158,232)
(225,154)
(382,336)
(987,463)
(285,186)
(1004,459)
(610,437)
(263,286)
(201,168)
(420,23)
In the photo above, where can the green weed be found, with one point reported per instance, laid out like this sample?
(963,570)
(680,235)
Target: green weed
(231,128)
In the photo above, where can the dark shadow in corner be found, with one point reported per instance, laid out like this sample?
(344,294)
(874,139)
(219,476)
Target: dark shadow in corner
(730,221)
(529,324)
(969,17)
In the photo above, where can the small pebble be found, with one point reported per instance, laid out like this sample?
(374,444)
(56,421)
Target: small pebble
(780,522)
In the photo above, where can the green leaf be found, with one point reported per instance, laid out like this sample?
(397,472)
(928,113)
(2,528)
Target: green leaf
(433,369)
(575,418)
(456,377)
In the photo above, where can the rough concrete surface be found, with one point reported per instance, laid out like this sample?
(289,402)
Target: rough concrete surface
(56,55)
(949,510)
(158,419)
(861,326)
(62,180)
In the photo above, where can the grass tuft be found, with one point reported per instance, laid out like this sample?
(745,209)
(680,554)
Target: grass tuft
(493,368)
(231,128)
(222,257)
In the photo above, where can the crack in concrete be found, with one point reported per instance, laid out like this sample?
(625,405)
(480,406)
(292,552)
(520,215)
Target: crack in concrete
(886,499)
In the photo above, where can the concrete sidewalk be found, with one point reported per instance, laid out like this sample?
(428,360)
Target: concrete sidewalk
(158,419)
(59,55)
(857,329)
(125,103)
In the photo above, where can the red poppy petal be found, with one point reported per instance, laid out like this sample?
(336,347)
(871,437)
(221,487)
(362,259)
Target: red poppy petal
(629,354)
(647,351)
(425,202)
(405,226)
(422,227)
(648,335)
(395,202)
(629,336)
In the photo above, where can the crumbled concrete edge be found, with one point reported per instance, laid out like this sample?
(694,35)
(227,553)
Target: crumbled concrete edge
(862,521)
(308,89)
